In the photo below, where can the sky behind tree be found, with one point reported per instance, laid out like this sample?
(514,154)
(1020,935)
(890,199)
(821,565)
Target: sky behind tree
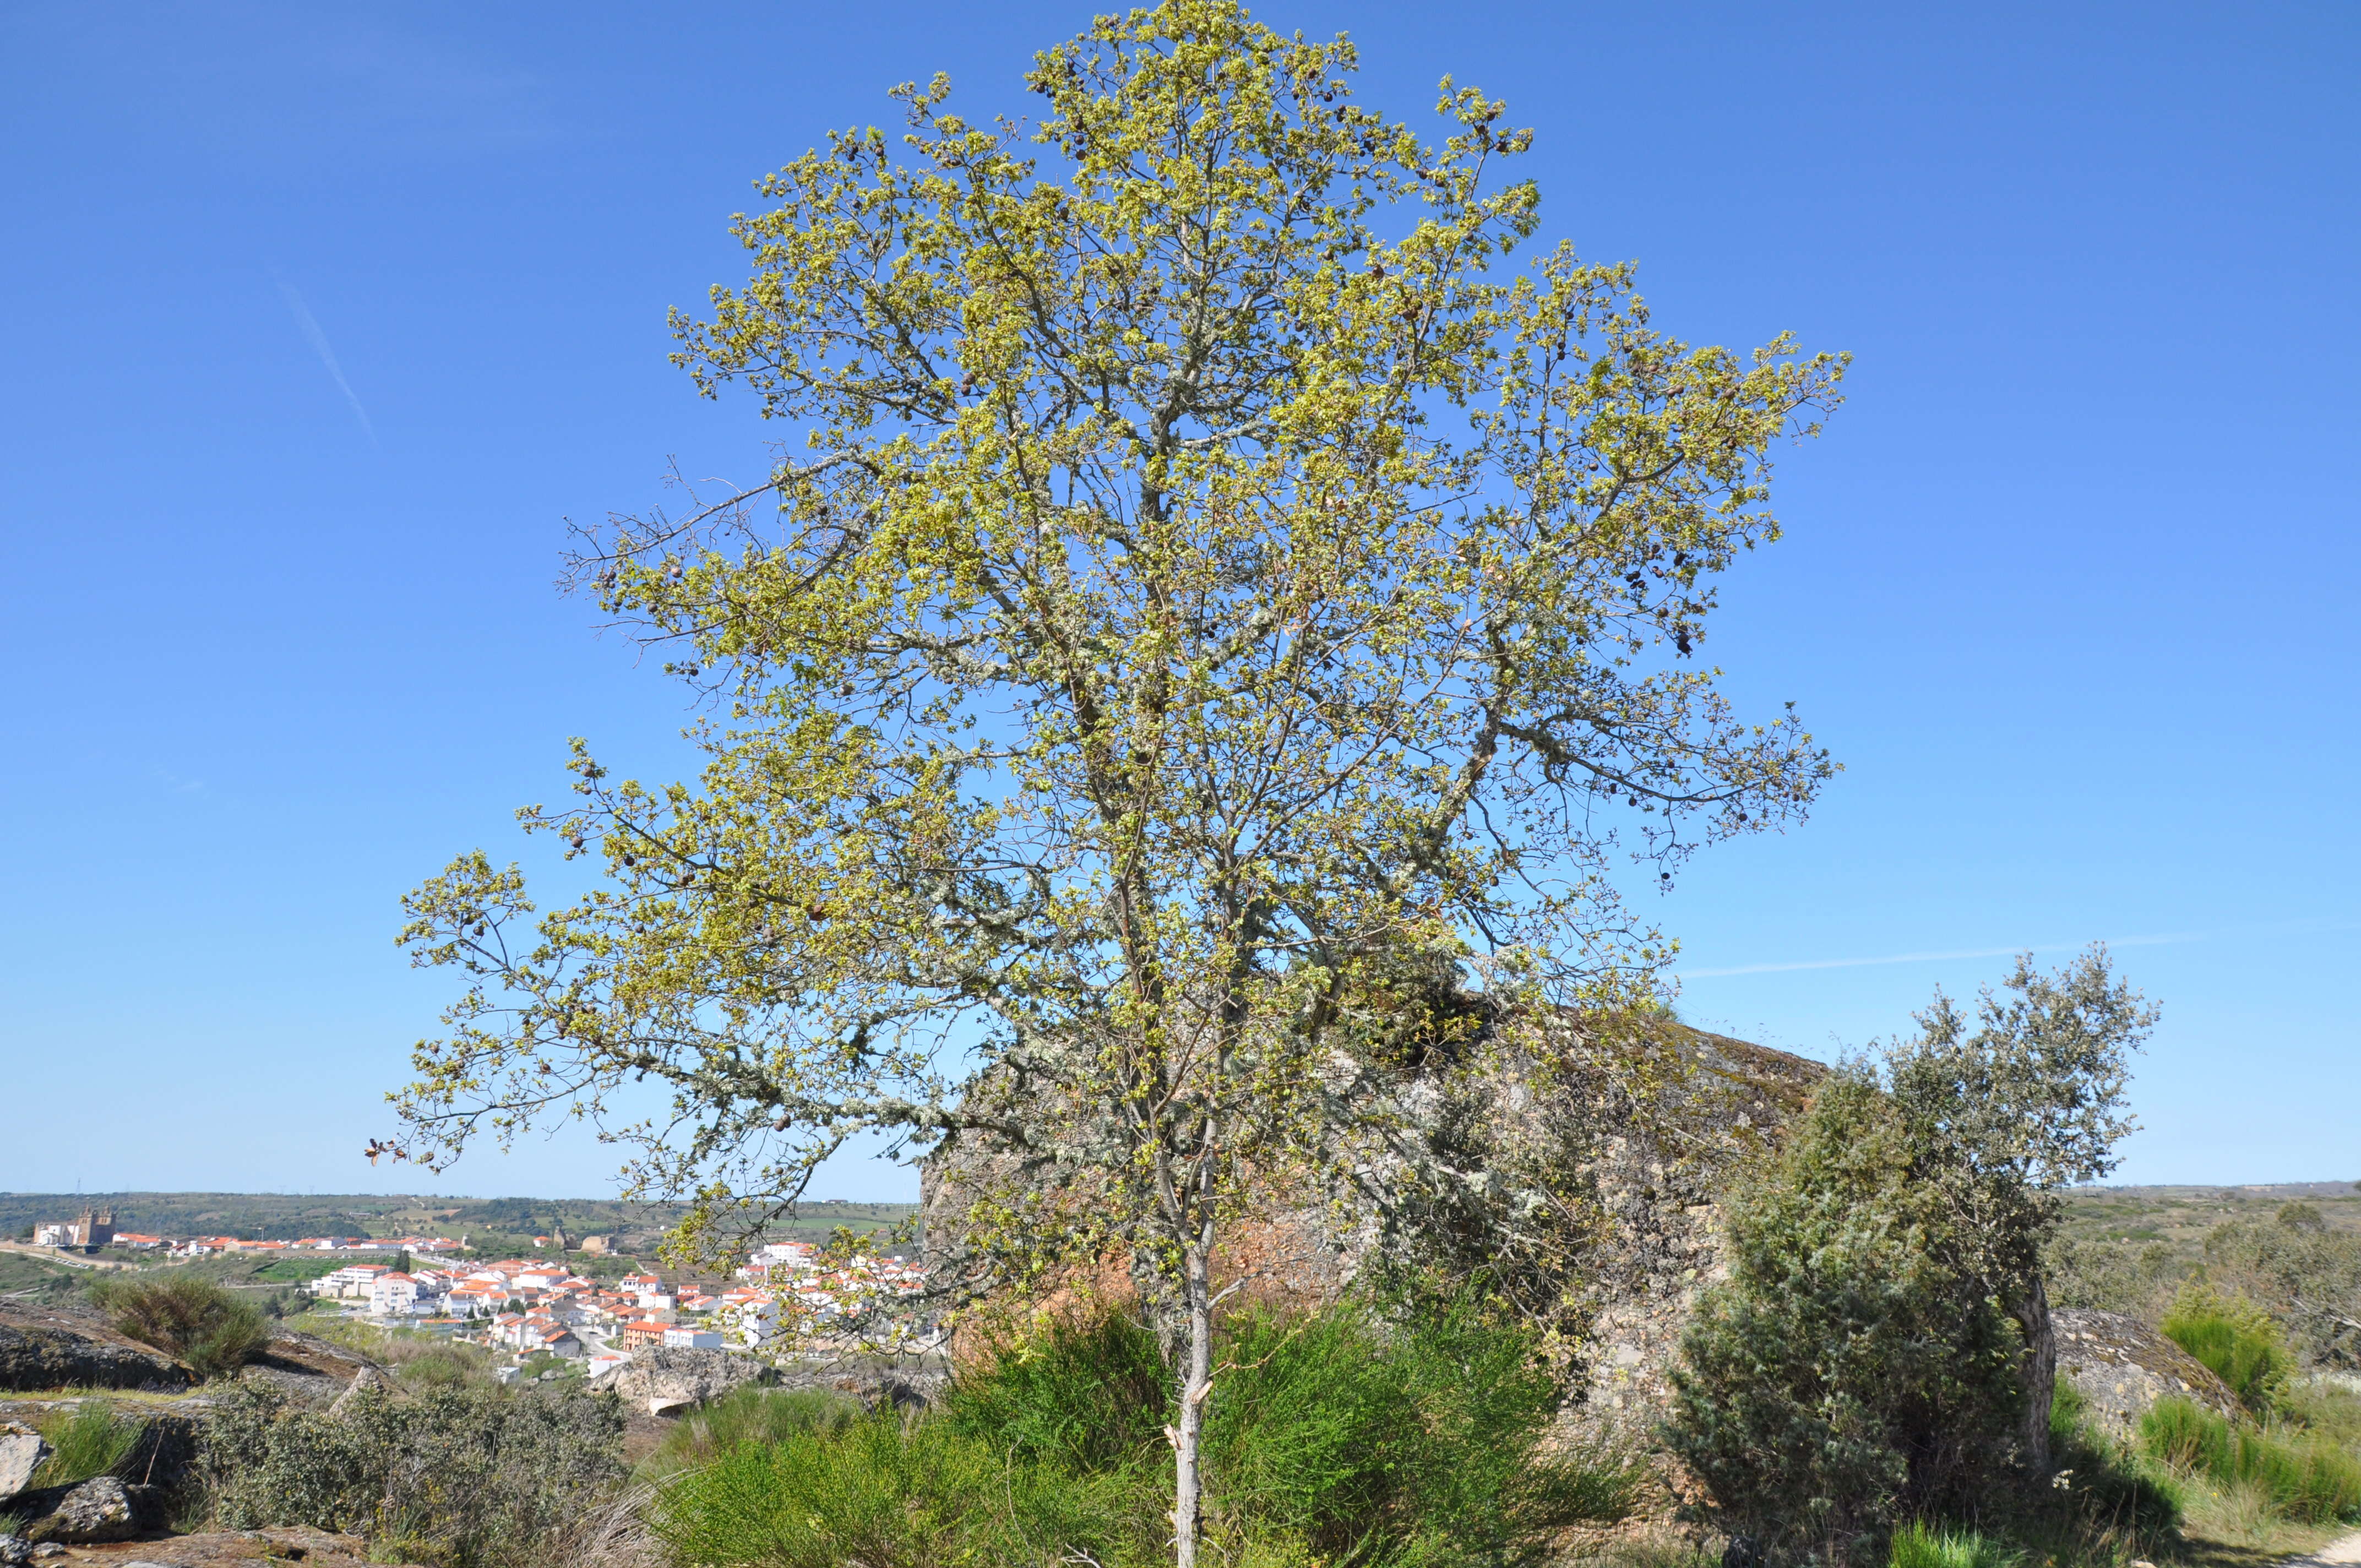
(325,322)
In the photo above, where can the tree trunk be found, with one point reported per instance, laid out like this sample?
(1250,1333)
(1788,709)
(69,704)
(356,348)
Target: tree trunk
(1196,1385)
(2039,1372)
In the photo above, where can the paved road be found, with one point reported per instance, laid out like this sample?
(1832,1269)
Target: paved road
(51,1254)
(2336,1554)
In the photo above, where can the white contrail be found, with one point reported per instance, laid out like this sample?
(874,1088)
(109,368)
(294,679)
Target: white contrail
(1933,957)
(319,341)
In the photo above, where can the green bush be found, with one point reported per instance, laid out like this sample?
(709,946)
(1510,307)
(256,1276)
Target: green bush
(460,1478)
(889,1493)
(2306,1477)
(1088,1391)
(92,1438)
(747,1414)
(204,1324)
(1852,1364)
(1415,1441)
(1348,1437)
(2236,1339)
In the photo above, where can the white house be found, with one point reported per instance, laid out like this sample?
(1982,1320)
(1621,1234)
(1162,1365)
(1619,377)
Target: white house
(397,1295)
(351,1282)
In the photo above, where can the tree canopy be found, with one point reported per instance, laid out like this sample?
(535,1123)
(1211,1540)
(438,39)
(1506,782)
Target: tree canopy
(1207,593)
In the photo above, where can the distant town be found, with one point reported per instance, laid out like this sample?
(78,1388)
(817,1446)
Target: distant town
(788,1298)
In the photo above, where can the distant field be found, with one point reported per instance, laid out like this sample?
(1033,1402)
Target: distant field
(2179,1216)
(27,1280)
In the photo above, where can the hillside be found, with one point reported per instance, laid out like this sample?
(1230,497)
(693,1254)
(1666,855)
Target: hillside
(2178,1217)
(497,1223)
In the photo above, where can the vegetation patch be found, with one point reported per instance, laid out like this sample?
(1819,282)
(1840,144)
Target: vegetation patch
(199,1321)
(458,1478)
(94,1438)
(2305,1476)
(1354,1436)
(2235,1338)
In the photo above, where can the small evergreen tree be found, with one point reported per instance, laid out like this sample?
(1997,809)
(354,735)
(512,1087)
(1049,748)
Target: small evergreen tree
(1851,1360)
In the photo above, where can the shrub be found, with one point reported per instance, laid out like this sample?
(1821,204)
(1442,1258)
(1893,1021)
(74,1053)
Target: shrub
(1347,1437)
(2305,1477)
(2236,1339)
(1851,1363)
(2308,1278)
(890,1494)
(92,1438)
(212,1329)
(463,1478)
(1087,1390)
(1412,1441)
(440,1365)
(747,1414)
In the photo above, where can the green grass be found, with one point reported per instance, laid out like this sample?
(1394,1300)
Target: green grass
(92,1438)
(2305,1476)
(2239,1342)
(1919,1545)
(297,1270)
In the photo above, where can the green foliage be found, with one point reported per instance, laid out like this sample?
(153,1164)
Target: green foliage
(2112,1276)
(2234,1337)
(92,1438)
(2306,1477)
(2116,1489)
(2308,1278)
(460,1478)
(1345,1438)
(1417,1441)
(214,1330)
(1921,1545)
(440,1364)
(1087,1391)
(747,1414)
(1853,1362)
(890,1494)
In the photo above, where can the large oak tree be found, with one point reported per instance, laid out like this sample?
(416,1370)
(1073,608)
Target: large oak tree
(1206,583)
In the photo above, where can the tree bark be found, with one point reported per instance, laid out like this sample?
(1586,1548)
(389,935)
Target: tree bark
(1196,1385)
(2039,1372)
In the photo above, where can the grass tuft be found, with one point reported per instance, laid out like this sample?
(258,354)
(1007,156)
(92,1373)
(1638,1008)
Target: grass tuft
(1921,1545)
(2235,1338)
(92,1438)
(2304,1476)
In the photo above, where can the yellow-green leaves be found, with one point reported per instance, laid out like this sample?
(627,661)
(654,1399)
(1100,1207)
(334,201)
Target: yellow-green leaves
(1205,582)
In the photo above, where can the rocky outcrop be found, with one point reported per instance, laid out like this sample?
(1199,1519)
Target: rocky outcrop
(34,1359)
(89,1512)
(1581,1171)
(21,1452)
(664,1378)
(242,1549)
(367,1379)
(2121,1367)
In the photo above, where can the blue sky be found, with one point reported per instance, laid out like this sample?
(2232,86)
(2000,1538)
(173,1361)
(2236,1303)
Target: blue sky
(323,320)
